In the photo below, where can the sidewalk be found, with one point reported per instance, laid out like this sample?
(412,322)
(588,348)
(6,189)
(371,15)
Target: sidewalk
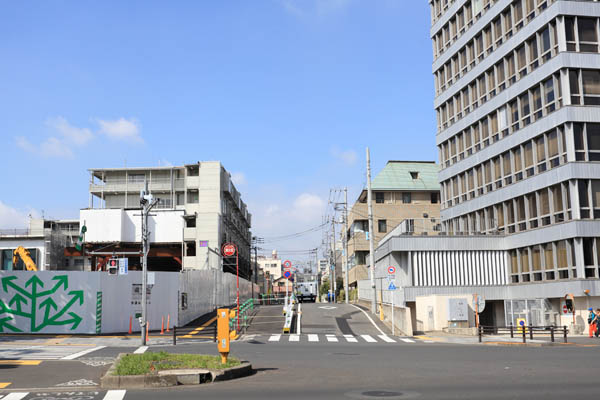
(538,340)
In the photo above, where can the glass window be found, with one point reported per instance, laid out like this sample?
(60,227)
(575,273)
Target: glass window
(588,37)
(593,136)
(544,202)
(536,259)
(552,144)
(561,252)
(545,40)
(591,86)
(574,85)
(570,33)
(539,149)
(379,197)
(524,260)
(382,225)
(548,257)
(407,198)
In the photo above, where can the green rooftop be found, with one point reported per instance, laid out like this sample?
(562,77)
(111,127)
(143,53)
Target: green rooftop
(407,175)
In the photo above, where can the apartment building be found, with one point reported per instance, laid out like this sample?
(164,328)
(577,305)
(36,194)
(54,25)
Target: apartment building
(198,210)
(271,266)
(402,190)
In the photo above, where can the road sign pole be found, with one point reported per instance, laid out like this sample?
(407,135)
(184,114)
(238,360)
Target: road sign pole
(237,274)
(393,325)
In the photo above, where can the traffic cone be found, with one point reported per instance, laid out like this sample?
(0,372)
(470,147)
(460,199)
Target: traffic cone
(162,326)
(130,322)
(168,322)
(147,337)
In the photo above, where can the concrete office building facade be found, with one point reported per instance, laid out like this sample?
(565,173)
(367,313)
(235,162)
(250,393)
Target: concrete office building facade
(517,85)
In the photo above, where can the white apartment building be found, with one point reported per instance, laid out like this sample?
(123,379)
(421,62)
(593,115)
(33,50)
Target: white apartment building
(198,210)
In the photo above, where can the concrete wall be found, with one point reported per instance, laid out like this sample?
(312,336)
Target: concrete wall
(432,312)
(94,302)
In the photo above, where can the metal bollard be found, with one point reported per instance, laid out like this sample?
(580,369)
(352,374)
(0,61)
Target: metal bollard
(480,331)
(512,332)
(530,332)
(524,333)
(552,334)
(174,336)
(565,333)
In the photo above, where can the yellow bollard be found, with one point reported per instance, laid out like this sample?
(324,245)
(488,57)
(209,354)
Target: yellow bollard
(223,334)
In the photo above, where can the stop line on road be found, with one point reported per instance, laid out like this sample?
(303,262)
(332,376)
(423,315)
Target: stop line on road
(330,338)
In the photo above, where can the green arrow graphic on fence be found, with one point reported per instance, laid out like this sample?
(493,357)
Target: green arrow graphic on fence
(25,300)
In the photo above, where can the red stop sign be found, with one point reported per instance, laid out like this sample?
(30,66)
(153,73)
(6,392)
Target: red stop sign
(565,309)
(228,249)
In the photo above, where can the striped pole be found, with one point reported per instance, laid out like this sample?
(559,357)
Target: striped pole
(98,312)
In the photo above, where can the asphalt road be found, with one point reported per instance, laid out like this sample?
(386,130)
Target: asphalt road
(349,370)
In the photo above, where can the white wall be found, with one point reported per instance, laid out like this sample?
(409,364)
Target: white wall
(118,225)
(28,243)
(75,295)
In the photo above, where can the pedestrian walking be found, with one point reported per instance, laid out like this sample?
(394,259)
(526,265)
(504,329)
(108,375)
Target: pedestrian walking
(596,322)
(592,322)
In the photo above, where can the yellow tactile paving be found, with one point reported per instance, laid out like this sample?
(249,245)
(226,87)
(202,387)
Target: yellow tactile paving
(20,362)
(4,384)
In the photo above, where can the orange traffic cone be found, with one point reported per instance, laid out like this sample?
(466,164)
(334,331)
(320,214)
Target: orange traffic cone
(168,322)
(162,326)
(147,326)
(130,322)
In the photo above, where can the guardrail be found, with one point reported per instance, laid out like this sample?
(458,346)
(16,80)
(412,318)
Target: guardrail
(245,308)
(524,331)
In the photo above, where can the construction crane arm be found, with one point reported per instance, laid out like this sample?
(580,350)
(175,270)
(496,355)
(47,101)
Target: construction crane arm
(23,253)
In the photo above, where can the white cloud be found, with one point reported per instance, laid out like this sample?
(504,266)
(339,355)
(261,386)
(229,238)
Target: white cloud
(121,129)
(239,178)
(11,218)
(348,157)
(51,147)
(73,134)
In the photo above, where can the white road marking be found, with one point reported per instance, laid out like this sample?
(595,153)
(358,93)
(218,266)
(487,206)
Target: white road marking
(368,338)
(350,338)
(294,338)
(274,338)
(331,338)
(407,340)
(16,396)
(82,353)
(141,350)
(367,315)
(387,339)
(313,338)
(115,395)
(429,341)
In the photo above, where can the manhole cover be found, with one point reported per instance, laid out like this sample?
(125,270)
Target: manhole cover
(382,394)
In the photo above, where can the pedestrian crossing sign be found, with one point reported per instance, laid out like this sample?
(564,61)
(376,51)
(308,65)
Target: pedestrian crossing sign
(392,286)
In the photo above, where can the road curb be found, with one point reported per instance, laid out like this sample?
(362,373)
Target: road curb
(515,344)
(171,378)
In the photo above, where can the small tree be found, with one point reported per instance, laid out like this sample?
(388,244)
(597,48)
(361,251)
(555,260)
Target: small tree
(324,287)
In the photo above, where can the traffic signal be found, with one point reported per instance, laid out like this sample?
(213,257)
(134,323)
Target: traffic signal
(113,266)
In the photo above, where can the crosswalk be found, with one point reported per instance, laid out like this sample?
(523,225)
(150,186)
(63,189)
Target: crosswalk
(48,352)
(330,338)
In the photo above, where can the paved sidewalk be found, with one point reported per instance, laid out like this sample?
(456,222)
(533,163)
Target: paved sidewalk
(538,340)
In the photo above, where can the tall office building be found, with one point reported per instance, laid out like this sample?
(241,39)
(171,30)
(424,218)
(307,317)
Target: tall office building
(517,85)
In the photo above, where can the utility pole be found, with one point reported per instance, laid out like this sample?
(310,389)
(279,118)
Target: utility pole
(332,284)
(147,201)
(345,241)
(371,244)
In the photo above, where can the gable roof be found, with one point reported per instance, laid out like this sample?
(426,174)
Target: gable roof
(396,175)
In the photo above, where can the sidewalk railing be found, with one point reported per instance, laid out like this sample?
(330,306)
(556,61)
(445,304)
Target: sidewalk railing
(245,308)
(524,331)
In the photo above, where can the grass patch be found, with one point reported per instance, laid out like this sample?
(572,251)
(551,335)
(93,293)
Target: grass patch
(150,363)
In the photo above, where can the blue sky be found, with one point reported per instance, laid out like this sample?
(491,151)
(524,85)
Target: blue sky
(286,93)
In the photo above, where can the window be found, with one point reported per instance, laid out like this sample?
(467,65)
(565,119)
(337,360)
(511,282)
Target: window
(591,87)
(588,36)
(379,197)
(435,198)
(406,198)
(593,141)
(414,175)
(574,85)
(192,196)
(382,225)
(136,178)
(570,33)
(584,201)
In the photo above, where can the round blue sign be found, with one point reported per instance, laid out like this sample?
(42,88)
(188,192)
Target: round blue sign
(287,274)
